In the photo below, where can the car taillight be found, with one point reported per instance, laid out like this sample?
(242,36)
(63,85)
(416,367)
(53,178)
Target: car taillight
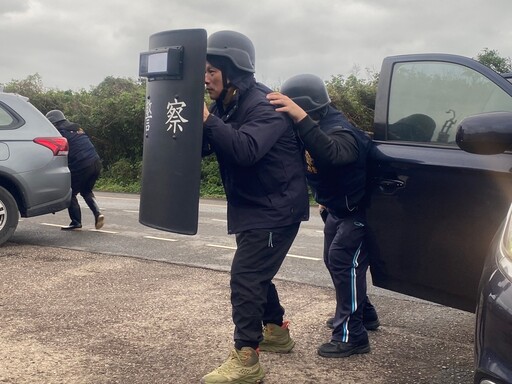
(58,145)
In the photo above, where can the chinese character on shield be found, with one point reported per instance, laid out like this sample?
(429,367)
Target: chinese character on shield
(174,118)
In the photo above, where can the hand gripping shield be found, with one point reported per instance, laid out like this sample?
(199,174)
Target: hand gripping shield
(173,127)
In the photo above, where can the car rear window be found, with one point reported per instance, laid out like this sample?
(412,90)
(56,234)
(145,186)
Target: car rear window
(7,119)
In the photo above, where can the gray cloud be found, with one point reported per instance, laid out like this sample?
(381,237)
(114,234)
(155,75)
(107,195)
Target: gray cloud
(13,6)
(76,44)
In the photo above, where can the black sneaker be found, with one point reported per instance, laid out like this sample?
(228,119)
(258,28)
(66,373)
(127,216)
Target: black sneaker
(370,325)
(370,318)
(339,349)
(72,226)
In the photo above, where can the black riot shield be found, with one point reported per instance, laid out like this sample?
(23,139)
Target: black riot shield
(173,126)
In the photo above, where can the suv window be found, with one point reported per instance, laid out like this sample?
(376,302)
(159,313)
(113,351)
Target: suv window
(7,120)
(427,100)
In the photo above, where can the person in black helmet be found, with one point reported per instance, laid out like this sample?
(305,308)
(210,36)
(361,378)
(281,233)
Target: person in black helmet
(85,166)
(336,153)
(263,173)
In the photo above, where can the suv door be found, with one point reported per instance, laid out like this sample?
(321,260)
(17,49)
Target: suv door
(435,208)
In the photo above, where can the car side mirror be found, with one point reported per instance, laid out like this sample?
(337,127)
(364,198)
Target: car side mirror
(486,134)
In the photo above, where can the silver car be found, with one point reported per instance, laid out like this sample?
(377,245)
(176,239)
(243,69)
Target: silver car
(34,174)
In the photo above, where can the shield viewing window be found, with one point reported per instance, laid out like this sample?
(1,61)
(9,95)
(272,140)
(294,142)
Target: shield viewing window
(162,63)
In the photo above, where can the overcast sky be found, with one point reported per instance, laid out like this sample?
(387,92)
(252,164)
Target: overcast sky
(75,44)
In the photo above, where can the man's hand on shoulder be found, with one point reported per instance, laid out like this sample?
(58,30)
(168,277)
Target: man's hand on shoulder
(287,105)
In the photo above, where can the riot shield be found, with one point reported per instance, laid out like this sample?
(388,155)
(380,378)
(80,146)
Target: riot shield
(173,126)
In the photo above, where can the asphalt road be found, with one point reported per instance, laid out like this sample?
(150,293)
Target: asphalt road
(211,247)
(131,304)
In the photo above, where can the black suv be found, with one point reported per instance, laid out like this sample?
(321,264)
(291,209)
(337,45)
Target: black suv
(435,208)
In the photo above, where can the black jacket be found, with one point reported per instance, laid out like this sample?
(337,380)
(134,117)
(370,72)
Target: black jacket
(336,156)
(81,150)
(260,160)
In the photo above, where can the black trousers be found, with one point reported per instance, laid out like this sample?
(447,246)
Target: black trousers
(83,181)
(254,298)
(346,257)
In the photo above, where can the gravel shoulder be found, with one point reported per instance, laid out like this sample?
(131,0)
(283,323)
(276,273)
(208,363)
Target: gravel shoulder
(76,317)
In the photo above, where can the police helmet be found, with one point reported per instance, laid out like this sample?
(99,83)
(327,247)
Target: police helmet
(55,116)
(307,91)
(235,46)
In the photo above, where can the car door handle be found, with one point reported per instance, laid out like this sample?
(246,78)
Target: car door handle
(389,186)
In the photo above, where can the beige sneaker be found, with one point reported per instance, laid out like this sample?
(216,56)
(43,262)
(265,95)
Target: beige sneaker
(241,367)
(99,221)
(277,338)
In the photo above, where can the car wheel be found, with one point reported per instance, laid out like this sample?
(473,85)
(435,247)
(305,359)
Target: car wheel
(9,215)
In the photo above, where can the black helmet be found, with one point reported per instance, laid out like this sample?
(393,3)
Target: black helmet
(55,116)
(235,46)
(307,91)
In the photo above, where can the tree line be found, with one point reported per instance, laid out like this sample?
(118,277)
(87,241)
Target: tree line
(112,114)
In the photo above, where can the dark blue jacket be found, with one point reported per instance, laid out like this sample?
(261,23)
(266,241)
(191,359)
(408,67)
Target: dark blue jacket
(81,150)
(337,154)
(260,160)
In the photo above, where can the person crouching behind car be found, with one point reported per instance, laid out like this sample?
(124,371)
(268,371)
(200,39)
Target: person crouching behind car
(85,166)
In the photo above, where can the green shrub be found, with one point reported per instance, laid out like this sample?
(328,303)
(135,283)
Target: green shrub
(123,172)
(122,176)
(211,183)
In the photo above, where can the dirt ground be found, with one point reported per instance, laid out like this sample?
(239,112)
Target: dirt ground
(76,317)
